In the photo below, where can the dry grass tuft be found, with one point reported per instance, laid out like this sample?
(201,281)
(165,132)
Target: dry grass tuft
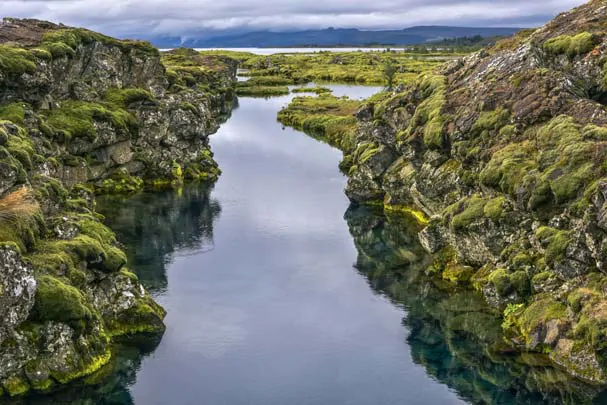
(18,204)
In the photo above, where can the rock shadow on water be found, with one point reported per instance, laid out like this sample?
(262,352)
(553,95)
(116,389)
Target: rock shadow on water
(152,226)
(452,332)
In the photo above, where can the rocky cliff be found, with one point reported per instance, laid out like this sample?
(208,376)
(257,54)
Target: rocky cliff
(502,156)
(82,113)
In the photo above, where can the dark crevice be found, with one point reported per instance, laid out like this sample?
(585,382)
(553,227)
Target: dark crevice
(599,95)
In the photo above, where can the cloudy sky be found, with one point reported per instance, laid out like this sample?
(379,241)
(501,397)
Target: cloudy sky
(183,17)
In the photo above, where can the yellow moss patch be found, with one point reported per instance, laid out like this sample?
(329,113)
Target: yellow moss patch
(419,216)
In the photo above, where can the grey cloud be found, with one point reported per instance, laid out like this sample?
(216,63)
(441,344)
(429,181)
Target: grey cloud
(183,17)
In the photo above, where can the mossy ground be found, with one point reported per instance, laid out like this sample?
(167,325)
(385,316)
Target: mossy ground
(325,117)
(351,67)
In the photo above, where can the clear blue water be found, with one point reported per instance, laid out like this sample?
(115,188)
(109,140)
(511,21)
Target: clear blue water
(278,292)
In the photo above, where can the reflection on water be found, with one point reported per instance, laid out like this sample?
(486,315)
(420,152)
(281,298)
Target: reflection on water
(109,386)
(273,298)
(452,333)
(153,225)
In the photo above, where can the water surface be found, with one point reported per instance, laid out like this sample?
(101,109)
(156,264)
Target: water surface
(274,296)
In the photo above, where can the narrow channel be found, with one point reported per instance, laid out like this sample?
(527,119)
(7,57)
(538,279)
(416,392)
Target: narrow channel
(278,292)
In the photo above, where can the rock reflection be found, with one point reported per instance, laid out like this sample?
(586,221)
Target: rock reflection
(453,334)
(109,386)
(151,226)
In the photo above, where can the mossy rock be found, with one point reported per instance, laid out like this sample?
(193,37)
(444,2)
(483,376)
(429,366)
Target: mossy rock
(16,386)
(61,302)
(571,45)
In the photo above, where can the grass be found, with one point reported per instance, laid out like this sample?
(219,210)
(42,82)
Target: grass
(344,67)
(316,90)
(326,117)
(250,90)
(18,204)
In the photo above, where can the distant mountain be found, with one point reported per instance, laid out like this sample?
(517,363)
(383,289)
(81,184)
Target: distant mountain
(331,37)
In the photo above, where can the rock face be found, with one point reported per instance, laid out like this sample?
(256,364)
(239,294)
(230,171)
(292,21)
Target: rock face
(505,152)
(82,113)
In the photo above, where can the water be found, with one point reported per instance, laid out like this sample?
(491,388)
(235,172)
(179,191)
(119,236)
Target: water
(274,296)
(267,308)
(272,51)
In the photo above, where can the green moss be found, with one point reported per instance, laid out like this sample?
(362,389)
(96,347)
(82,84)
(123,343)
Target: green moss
(21,147)
(428,117)
(500,279)
(509,166)
(457,274)
(555,242)
(511,313)
(41,53)
(69,40)
(315,90)
(77,118)
(89,247)
(189,107)
(122,98)
(521,283)
(88,367)
(538,314)
(327,118)
(120,182)
(14,112)
(16,61)
(494,208)
(59,50)
(492,121)
(576,299)
(58,301)
(176,171)
(571,46)
(144,317)
(16,386)
(23,232)
(465,212)
(260,91)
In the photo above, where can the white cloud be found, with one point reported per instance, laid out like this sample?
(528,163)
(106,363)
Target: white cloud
(181,17)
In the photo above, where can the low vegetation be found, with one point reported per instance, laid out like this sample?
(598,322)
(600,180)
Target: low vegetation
(325,117)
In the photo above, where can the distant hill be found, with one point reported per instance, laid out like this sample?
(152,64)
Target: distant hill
(332,37)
